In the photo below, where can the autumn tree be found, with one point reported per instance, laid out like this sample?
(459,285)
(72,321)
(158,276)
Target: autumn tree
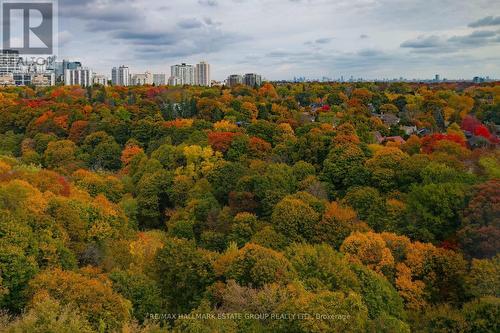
(344,166)
(295,219)
(61,155)
(337,224)
(89,291)
(254,265)
(480,227)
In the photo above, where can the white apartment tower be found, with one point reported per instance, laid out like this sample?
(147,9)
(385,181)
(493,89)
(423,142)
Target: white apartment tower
(78,77)
(120,76)
(184,73)
(202,74)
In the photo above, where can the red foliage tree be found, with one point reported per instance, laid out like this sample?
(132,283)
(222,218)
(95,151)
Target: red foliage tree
(66,187)
(259,147)
(430,141)
(44,118)
(129,153)
(470,124)
(221,141)
(483,131)
(78,131)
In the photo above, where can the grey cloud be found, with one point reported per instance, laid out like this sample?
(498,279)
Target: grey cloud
(209,3)
(184,48)
(319,41)
(482,34)
(190,23)
(423,42)
(146,37)
(284,54)
(210,22)
(180,43)
(103,26)
(476,38)
(485,22)
(110,10)
(370,53)
(435,43)
(323,40)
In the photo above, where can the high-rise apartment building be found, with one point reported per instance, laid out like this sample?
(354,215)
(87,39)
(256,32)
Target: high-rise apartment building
(234,80)
(9,61)
(202,74)
(252,79)
(120,76)
(159,79)
(78,77)
(185,74)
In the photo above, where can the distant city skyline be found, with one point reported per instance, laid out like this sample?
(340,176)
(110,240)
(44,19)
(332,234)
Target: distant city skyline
(286,38)
(14,70)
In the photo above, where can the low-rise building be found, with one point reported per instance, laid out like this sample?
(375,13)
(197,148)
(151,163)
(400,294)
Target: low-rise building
(43,79)
(36,79)
(409,130)
(388,119)
(7,79)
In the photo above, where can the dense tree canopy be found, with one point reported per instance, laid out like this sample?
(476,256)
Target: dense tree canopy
(361,207)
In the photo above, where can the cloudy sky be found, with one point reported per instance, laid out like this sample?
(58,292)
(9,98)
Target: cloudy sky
(286,38)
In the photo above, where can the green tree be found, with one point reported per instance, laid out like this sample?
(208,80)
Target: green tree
(254,265)
(48,315)
(183,272)
(60,155)
(295,219)
(434,210)
(141,290)
(484,278)
(153,198)
(482,316)
(319,267)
